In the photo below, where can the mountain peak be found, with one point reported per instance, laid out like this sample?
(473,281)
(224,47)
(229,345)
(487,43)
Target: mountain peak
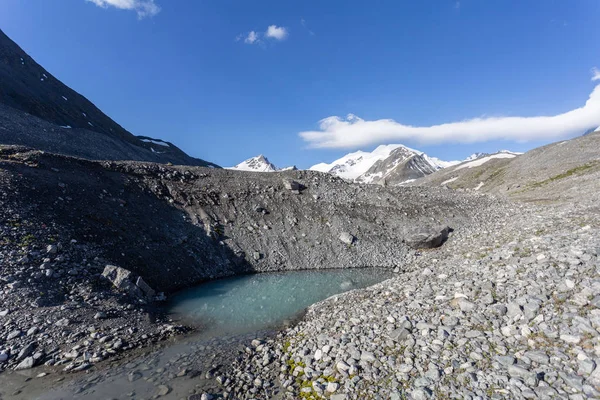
(258,163)
(389,162)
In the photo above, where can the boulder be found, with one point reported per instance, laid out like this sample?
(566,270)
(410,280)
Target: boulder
(123,279)
(347,238)
(27,363)
(119,277)
(427,237)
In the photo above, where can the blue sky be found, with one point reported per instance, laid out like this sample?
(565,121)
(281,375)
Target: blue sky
(185,72)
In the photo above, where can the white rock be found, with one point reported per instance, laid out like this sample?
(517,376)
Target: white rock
(333,387)
(318,354)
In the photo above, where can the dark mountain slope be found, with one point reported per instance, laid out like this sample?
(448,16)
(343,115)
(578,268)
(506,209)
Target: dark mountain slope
(26,87)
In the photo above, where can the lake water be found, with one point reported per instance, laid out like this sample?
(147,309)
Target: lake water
(252,303)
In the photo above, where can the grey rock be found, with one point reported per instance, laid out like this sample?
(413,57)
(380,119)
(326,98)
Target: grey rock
(27,363)
(427,237)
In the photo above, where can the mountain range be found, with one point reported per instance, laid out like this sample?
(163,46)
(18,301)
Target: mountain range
(392,164)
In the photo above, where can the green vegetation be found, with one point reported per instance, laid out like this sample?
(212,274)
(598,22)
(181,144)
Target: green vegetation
(573,171)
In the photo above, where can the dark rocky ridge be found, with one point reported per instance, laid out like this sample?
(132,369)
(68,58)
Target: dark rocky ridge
(176,226)
(27,90)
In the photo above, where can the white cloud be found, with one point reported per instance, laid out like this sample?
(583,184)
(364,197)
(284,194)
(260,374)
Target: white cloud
(252,38)
(354,132)
(595,74)
(276,32)
(143,8)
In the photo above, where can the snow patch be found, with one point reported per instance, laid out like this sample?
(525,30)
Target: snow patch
(66,126)
(449,181)
(64,98)
(480,161)
(158,142)
(407,181)
(479,186)
(84,114)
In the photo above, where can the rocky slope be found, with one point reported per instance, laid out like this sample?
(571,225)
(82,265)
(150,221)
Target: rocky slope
(553,173)
(38,110)
(156,220)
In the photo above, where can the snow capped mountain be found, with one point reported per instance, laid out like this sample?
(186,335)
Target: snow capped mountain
(475,156)
(260,164)
(353,165)
(257,164)
(484,157)
(392,163)
(401,165)
(395,164)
